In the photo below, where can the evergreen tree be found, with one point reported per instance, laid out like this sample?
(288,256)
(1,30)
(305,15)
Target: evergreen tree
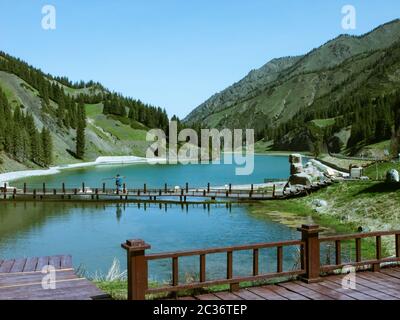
(47,147)
(80,132)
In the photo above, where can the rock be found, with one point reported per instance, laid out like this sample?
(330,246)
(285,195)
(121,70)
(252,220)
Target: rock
(296,164)
(392,176)
(300,179)
(295,158)
(296,168)
(320,203)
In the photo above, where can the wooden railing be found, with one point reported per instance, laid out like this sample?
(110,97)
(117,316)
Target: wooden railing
(310,268)
(124,193)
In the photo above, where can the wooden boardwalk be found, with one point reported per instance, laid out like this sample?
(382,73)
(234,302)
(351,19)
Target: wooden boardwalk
(384,285)
(180,195)
(21,279)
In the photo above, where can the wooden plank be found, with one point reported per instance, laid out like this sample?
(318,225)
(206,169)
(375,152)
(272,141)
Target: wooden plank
(366,290)
(375,283)
(42,262)
(66,262)
(21,278)
(350,292)
(55,261)
(326,291)
(208,296)
(248,295)
(68,290)
(227,296)
(6,266)
(286,293)
(30,265)
(391,272)
(309,293)
(18,265)
(266,293)
(392,281)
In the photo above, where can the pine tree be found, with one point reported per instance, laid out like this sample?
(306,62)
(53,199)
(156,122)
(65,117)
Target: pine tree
(47,147)
(80,131)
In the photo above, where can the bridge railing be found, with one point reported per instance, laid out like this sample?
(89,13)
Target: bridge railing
(309,270)
(84,189)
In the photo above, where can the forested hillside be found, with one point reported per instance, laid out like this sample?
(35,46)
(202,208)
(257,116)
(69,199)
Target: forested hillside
(48,120)
(339,97)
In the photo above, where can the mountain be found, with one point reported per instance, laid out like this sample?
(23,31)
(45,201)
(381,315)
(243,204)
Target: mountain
(32,102)
(280,92)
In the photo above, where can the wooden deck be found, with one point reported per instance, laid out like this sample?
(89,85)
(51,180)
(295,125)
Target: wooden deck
(21,279)
(384,285)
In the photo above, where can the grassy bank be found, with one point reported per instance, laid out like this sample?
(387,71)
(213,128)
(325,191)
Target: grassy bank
(371,205)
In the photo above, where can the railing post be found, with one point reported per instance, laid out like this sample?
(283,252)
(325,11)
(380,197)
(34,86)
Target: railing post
(376,267)
(24,187)
(397,239)
(310,237)
(137,268)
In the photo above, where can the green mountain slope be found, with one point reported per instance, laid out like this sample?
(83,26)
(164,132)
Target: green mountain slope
(278,92)
(115,132)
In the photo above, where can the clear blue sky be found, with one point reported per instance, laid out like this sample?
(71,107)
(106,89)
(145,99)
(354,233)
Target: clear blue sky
(174,53)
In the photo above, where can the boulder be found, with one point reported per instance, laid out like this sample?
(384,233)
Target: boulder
(296,164)
(392,176)
(300,179)
(295,158)
(320,203)
(296,168)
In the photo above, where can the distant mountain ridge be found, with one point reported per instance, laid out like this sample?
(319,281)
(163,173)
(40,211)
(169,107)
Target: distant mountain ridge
(275,93)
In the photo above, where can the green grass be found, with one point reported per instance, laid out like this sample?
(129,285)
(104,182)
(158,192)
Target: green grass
(384,145)
(120,127)
(93,110)
(119,130)
(379,170)
(323,123)
(371,205)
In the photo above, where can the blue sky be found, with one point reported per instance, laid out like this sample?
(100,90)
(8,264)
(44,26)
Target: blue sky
(174,53)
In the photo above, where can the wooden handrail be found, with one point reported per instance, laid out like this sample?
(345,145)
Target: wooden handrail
(359,236)
(310,270)
(170,255)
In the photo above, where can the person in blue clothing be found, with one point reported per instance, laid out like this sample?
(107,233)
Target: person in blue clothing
(118,182)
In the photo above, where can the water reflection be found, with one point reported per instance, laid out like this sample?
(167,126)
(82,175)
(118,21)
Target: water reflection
(92,233)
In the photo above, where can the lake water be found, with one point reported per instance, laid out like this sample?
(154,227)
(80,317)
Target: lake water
(92,233)
(156,175)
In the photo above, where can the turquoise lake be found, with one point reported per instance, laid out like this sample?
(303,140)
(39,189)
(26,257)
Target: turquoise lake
(92,233)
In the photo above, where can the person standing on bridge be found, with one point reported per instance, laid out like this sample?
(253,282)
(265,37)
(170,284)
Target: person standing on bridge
(118,182)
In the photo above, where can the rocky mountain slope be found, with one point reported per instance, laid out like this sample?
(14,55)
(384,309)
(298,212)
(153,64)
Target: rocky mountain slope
(278,91)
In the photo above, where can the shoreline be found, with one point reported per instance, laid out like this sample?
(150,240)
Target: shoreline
(118,160)
(100,161)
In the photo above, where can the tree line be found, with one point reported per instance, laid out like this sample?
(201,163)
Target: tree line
(135,110)
(69,111)
(20,138)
